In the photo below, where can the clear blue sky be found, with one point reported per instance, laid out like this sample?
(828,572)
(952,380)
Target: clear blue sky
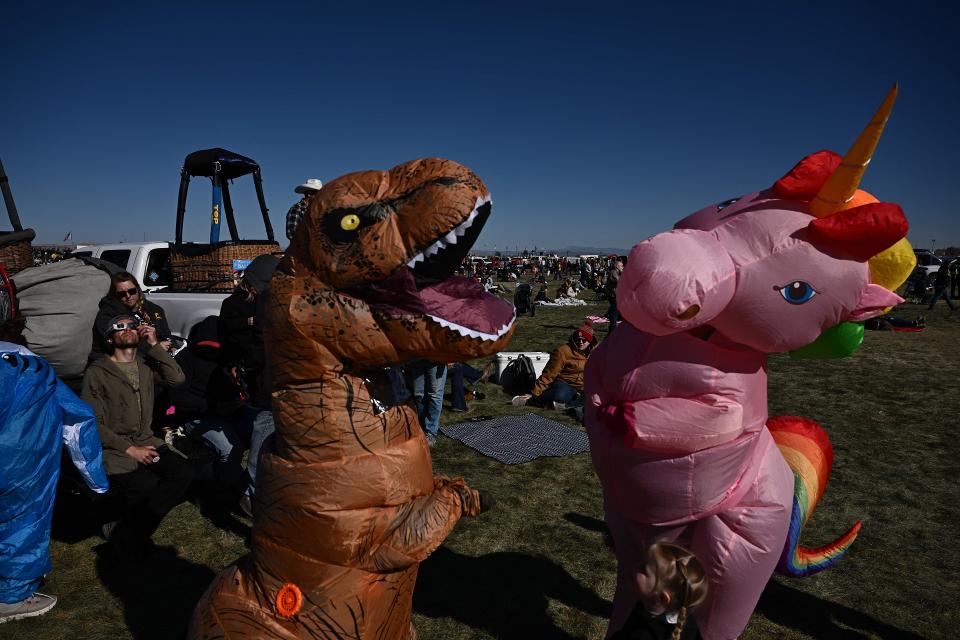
(592,123)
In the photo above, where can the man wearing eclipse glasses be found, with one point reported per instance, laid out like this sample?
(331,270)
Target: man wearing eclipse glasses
(120,389)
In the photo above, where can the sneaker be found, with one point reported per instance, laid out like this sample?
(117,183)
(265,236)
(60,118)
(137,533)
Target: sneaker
(519,401)
(431,440)
(36,605)
(559,406)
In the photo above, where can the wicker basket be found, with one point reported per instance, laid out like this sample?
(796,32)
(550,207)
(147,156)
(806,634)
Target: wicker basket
(16,256)
(206,267)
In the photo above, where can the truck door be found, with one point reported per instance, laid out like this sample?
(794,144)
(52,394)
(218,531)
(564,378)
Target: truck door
(156,274)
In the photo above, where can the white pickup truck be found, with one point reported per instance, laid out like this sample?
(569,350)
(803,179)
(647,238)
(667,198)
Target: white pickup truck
(149,262)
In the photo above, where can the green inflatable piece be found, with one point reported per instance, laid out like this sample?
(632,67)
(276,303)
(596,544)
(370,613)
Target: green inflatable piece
(839,341)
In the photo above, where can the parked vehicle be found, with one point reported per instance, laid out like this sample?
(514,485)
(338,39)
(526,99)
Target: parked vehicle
(149,262)
(928,261)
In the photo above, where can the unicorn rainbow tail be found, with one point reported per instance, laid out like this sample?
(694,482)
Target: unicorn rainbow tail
(806,448)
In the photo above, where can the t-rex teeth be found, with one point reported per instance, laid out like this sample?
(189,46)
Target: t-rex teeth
(451,236)
(473,333)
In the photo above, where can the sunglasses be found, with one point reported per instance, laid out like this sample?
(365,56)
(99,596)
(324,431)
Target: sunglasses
(123,326)
(580,339)
(126,293)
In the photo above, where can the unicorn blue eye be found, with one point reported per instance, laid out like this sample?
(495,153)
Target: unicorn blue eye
(797,292)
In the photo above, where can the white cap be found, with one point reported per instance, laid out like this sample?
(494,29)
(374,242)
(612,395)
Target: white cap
(312,184)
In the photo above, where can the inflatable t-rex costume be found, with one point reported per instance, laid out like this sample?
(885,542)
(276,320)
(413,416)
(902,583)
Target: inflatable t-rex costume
(347,504)
(677,404)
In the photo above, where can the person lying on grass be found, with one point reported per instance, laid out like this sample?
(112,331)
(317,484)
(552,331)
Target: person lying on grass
(673,583)
(560,386)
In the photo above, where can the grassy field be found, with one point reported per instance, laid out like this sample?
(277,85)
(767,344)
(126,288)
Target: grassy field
(536,567)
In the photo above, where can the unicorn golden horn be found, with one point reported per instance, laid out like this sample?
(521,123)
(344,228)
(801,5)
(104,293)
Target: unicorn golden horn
(843,183)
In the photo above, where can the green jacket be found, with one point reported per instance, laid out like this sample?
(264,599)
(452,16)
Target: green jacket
(123,423)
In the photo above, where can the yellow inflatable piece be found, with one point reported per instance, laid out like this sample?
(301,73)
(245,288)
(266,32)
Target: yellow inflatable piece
(892,267)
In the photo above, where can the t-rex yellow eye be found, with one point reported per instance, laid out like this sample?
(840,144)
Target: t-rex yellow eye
(350,222)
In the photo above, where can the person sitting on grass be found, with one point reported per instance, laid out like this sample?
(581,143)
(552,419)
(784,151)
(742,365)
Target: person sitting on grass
(150,478)
(671,585)
(561,384)
(566,289)
(212,407)
(542,294)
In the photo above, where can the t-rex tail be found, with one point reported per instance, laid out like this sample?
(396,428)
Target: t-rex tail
(806,448)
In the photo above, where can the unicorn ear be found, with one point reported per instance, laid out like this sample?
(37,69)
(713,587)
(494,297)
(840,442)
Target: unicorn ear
(874,301)
(807,177)
(863,231)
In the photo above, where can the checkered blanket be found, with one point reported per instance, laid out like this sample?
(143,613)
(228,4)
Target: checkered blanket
(519,439)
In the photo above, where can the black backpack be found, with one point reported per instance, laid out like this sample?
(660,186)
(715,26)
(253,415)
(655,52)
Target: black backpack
(519,376)
(522,297)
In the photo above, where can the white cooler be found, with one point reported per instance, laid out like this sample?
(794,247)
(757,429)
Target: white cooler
(539,359)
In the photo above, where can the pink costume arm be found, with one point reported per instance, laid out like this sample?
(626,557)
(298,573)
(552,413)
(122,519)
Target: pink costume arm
(675,425)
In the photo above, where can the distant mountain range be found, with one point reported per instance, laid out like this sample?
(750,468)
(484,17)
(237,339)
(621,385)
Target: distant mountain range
(570,250)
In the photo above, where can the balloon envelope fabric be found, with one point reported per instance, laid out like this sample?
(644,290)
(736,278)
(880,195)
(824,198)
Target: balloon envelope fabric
(519,439)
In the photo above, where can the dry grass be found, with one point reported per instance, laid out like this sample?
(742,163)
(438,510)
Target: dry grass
(536,567)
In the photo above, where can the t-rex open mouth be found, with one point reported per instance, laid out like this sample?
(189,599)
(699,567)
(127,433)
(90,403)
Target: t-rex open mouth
(427,287)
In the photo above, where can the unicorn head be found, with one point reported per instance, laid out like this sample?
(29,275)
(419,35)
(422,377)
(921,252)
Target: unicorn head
(775,269)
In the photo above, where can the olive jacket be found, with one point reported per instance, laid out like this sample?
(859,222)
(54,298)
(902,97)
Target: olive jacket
(121,420)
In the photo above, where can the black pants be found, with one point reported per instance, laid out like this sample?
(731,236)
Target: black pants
(150,492)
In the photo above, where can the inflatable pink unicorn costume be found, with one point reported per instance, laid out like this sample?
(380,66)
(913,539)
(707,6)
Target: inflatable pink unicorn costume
(677,395)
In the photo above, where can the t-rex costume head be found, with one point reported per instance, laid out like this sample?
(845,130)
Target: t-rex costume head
(347,505)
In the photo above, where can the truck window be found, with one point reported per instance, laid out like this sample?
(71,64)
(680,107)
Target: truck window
(77,254)
(157,273)
(119,257)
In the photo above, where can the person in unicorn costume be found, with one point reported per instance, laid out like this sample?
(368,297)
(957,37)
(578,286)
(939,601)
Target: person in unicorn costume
(677,396)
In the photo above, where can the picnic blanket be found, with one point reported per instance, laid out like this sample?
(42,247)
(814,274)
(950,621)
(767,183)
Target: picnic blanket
(519,439)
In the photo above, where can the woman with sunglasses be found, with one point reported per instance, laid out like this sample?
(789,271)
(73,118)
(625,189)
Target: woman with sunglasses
(125,297)
(560,386)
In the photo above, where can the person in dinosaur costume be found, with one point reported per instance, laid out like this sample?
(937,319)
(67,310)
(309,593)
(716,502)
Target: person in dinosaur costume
(347,505)
(677,396)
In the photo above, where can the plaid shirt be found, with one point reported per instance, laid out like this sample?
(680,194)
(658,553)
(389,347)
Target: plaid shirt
(294,215)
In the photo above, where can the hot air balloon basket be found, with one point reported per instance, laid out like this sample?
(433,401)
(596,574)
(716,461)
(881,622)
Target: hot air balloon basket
(214,267)
(16,255)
